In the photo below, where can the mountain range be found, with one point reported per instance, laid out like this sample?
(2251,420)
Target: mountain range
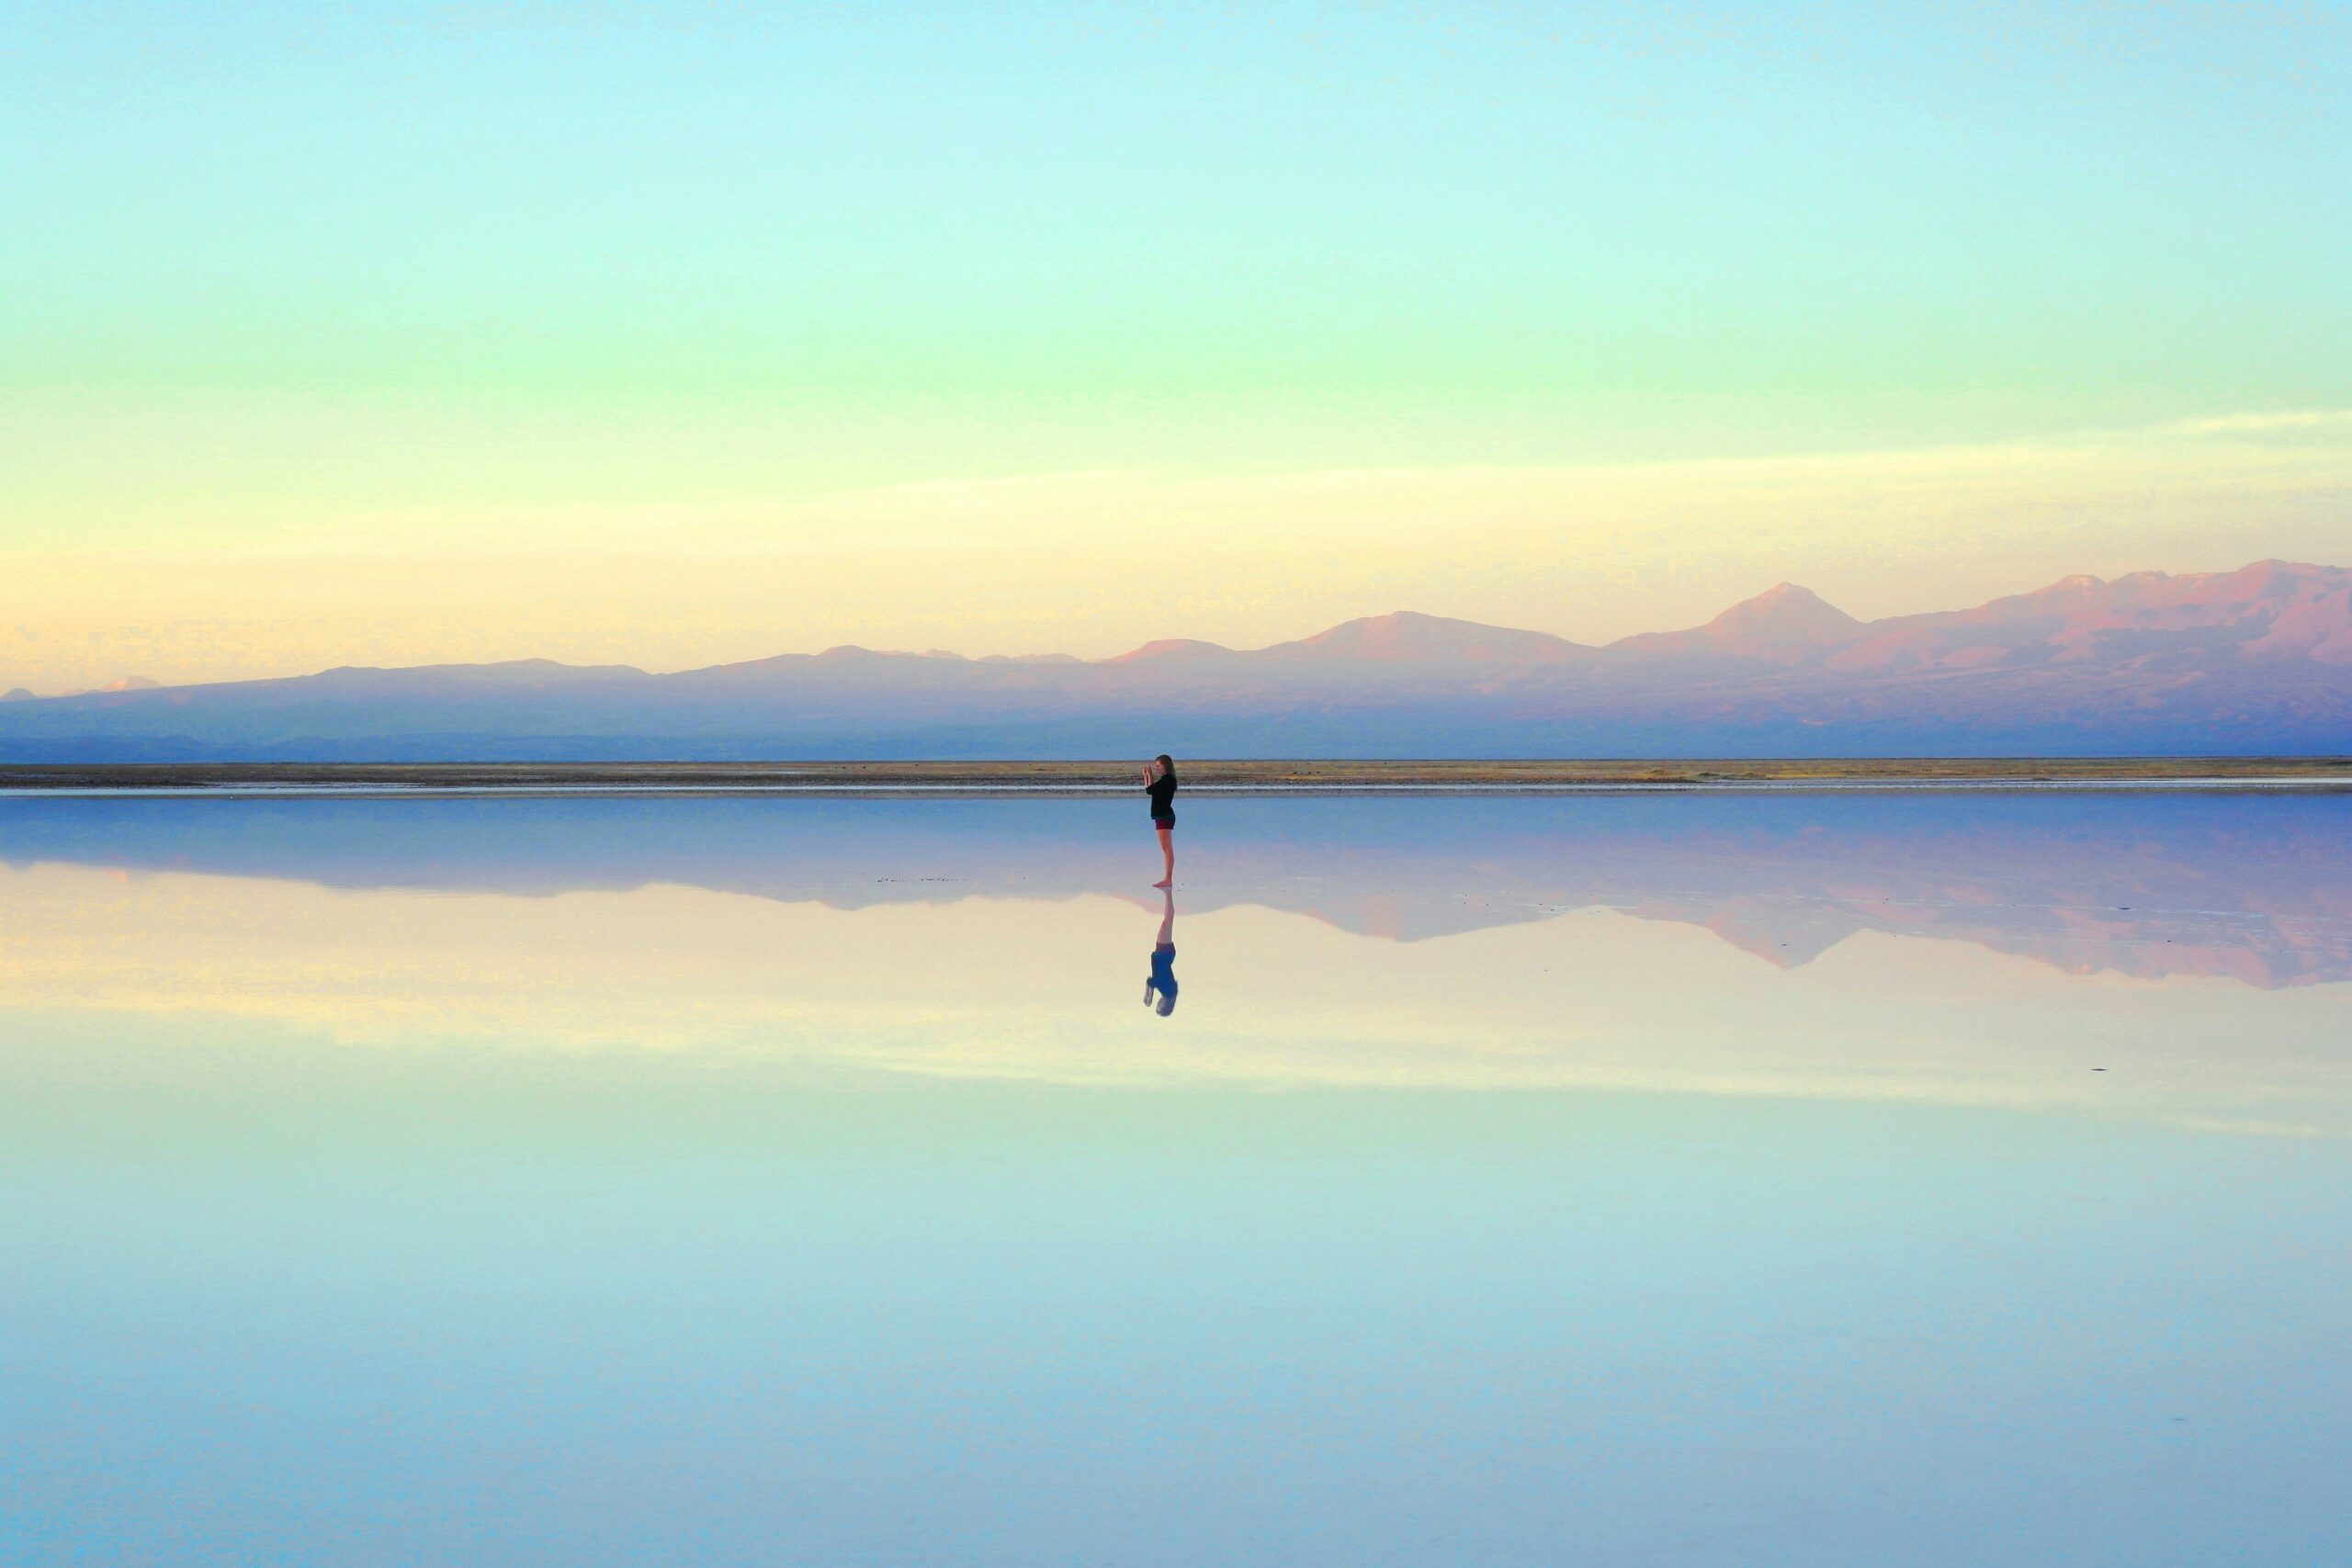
(2254,660)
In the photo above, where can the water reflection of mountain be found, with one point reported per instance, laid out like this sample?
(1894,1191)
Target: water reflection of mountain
(2255,888)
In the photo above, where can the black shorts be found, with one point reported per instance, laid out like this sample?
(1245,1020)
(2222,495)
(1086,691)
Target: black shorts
(1166,821)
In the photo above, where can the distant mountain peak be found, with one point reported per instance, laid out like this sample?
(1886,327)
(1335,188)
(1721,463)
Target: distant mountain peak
(17,695)
(1409,635)
(132,684)
(1785,624)
(1789,604)
(1169,647)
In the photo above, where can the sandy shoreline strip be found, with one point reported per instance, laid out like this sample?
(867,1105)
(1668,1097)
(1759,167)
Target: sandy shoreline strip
(1085,778)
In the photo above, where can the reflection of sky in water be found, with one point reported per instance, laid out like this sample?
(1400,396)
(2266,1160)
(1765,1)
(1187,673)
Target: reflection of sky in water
(1701,1179)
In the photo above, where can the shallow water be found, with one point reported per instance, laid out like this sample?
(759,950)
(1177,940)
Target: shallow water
(1672,1179)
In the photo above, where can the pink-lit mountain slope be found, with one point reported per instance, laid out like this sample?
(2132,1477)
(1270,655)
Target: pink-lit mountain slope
(1787,625)
(2272,612)
(2254,660)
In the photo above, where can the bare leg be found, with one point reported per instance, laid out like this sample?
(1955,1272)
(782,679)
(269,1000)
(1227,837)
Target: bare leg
(1168,856)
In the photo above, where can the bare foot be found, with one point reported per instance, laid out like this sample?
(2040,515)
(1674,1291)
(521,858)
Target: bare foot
(1162,882)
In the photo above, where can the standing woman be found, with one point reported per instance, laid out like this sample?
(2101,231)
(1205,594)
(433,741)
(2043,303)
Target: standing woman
(1159,778)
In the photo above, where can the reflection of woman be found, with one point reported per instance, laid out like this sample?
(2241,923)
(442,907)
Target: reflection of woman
(1159,779)
(1163,962)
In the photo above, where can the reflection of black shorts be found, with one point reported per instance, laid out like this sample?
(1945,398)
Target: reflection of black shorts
(1166,821)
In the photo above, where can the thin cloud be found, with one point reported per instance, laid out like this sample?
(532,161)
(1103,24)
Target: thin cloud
(2255,424)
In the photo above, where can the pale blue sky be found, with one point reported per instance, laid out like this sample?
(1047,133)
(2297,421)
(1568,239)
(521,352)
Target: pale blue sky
(2136,207)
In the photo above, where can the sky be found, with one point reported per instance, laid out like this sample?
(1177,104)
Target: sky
(672,334)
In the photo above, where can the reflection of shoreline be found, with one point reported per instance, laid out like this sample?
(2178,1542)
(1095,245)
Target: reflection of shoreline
(1597,1000)
(1274,775)
(2257,890)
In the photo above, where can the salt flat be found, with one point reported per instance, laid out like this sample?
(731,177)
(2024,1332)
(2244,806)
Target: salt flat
(1695,1178)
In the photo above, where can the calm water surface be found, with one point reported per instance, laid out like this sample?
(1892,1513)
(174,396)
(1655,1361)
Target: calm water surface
(1659,1180)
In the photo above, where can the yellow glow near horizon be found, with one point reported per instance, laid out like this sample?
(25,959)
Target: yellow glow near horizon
(1094,563)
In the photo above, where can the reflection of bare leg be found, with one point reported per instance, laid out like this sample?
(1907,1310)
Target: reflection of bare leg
(1168,858)
(1168,919)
